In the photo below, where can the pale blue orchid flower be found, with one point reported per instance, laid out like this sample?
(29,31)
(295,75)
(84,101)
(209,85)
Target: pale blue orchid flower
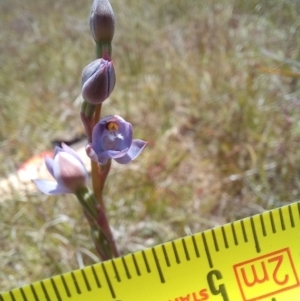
(112,139)
(68,171)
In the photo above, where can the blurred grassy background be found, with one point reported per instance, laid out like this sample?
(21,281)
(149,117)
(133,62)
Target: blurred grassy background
(212,85)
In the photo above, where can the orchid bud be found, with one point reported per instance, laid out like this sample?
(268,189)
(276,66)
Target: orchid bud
(68,171)
(98,81)
(102,21)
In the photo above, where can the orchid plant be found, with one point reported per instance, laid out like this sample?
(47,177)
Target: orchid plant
(110,137)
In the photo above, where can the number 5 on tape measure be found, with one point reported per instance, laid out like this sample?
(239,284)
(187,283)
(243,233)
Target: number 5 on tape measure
(254,259)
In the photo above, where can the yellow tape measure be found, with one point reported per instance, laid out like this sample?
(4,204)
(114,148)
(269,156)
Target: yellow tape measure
(254,259)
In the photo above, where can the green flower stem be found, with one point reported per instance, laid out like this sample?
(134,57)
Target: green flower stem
(100,229)
(87,109)
(103,50)
(97,180)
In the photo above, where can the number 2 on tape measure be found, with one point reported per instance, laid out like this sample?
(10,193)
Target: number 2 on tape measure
(254,259)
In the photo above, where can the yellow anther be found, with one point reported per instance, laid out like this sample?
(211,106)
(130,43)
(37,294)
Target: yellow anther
(112,126)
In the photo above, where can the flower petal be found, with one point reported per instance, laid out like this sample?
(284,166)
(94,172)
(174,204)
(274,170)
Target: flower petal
(50,187)
(49,164)
(99,128)
(91,153)
(110,154)
(57,150)
(125,129)
(135,149)
(69,172)
(70,151)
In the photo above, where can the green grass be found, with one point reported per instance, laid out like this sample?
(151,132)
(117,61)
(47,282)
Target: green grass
(221,118)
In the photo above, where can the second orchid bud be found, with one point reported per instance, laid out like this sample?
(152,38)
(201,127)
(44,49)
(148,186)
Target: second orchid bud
(98,81)
(102,22)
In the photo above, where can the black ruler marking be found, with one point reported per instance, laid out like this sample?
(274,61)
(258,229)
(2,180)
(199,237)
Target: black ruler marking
(224,237)
(75,283)
(161,276)
(55,289)
(23,294)
(281,220)
(96,277)
(257,247)
(1,298)
(34,292)
(244,231)
(86,281)
(195,246)
(175,252)
(108,281)
(146,262)
(291,216)
(298,204)
(272,222)
(65,285)
(187,255)
(136,265)
(116,270)
(206,250)
(263,228)
(45,291)
(273,299)
(234,234)
(126,268)
(215,240)
(166,255)
(12,296)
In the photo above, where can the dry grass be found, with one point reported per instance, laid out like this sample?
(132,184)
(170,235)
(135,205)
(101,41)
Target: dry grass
(220,113)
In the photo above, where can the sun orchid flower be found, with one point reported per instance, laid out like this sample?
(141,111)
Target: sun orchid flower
(98,81)
(68,171)
(102,22)
(112,139)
